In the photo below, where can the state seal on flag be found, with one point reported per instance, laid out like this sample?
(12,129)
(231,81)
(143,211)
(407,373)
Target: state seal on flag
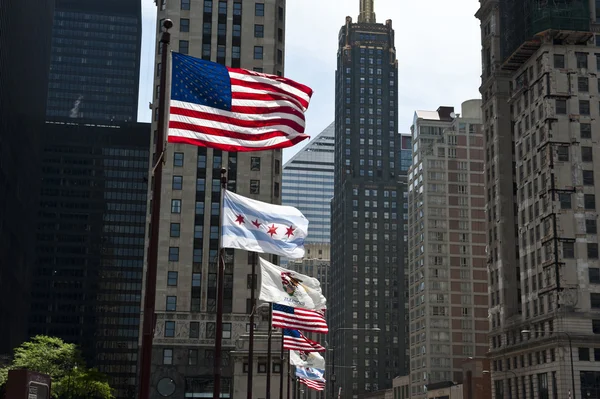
(289,283)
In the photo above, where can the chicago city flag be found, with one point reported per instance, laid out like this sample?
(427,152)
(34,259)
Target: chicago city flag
(261,227)
(310,373)
(287,287)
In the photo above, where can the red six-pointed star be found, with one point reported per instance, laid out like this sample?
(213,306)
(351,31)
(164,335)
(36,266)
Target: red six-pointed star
(272,230)
(240,219)
(289,231)
(256,223)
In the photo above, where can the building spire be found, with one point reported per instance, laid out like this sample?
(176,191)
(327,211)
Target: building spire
(367,12)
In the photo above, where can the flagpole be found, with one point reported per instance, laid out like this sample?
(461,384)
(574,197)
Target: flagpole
(282,358)
(269,354)
(251,343)
(152,255)
(220,289)
(289,386)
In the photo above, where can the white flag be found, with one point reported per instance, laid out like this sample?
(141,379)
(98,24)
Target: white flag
(287,287)
(261,227)
(307,359)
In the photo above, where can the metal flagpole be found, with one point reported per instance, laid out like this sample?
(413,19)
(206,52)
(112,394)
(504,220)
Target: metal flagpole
(282,358)
(269,355)
(152,260)
(289,386)
(251,343)
(220,289)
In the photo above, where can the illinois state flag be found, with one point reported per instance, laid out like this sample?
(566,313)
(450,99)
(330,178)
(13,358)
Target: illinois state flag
(261,227)
(307,359)
(287,287)
(234,109)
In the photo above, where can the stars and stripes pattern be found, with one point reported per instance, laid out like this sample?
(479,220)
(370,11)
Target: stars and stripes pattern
(296,341)
(299,319)
(316,385)
(234,109)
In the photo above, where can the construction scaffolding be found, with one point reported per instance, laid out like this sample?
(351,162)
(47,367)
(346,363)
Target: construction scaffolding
(522,20)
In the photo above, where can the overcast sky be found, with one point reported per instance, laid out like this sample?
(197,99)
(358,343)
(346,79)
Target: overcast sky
(437,45)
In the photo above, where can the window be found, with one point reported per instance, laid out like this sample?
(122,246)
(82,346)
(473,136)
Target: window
(208,4)
(197,257)
(195,329)
(236,52)
(177,182)
(582,60)
(167,356)
(568,250)
(175,229)
(584,107)
(584,354)
(590,226)
(254,186)
(561,107)
(259,9)
(172,279)
(178,159)
(198,230)
(184,25)
(565,200)
(596,326)
(196,279)
(255,163)
(226,330)
(171,303)
(259,30)
(223,7)
(185,4)
(563,154)
(237,31)
(173,254)
(237,8)
(589,201)
(583,84)
(588,177)
(193,357)
(586,154)
(592,250)
(559,61)
(276,368)
(258,52)
(594,275)
(262,367)
(169,328)
(176,206)
(184,46)
(585,130)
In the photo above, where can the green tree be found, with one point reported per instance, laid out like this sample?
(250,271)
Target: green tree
(71,379)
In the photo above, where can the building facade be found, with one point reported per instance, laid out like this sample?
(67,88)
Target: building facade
(236,33)
(405,164)
(448,276)
(367,271)
(90,244)
(95,68)
(540,120)
(308,184)
(24,61)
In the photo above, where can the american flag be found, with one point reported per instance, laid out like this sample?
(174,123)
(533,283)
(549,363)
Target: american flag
(316,385)
(234,109)
(294,340)
(299,319)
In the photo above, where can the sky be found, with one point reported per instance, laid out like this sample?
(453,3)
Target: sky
(437,46)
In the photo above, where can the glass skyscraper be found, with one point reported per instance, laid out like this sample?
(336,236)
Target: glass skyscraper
(308,184)
(95,64)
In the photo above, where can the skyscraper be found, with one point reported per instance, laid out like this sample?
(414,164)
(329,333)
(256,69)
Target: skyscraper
(308,184)
(90,244)
(540,106)
(24,61)
(95,67)
(367,271)
(446,230)
(239,34)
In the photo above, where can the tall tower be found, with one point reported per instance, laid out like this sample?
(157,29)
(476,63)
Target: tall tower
(367,271)
(235,33)
(446,236)
(367,12)
(540,119)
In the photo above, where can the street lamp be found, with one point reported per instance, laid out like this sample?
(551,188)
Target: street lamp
(570,351)
(374,329)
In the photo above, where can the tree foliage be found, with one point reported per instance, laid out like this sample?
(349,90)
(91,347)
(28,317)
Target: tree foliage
(63,362)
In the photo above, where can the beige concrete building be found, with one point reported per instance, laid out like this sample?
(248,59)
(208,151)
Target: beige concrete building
(248,34)
(445,391)
(448,301)
(541,120)
(401,387)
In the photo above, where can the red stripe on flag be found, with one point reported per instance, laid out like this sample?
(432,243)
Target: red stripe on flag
(307,90)
(270,89)
(316,385)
